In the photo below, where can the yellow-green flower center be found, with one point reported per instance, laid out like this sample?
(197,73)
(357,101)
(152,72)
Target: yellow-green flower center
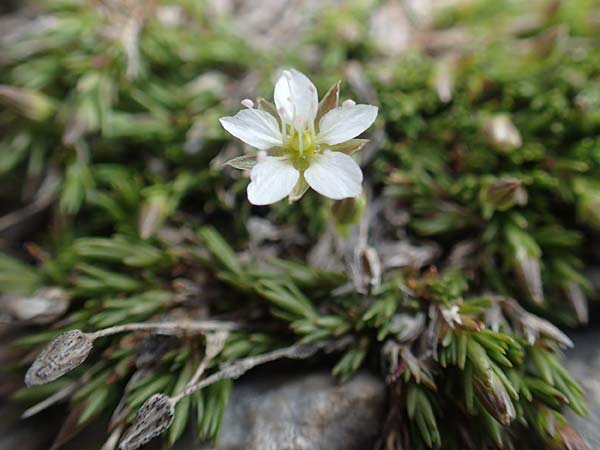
(301,148)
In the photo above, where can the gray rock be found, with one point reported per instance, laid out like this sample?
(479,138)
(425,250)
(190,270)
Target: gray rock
(583,361)
(301,412)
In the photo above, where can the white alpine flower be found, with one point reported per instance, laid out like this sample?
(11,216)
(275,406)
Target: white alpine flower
(301,142)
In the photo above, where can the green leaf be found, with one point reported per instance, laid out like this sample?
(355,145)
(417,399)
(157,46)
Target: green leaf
(78,181)
(215,400)
(95,403)
(17,277)
(220,249)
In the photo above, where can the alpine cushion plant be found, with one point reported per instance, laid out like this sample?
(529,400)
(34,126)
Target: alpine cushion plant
(301,143)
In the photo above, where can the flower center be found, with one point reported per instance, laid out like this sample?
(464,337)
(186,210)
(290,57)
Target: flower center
(301,148)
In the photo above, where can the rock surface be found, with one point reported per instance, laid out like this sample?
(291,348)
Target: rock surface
(583,362)
(306,411)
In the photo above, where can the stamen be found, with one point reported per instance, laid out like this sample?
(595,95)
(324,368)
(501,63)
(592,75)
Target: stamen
(247,103)
(250,105)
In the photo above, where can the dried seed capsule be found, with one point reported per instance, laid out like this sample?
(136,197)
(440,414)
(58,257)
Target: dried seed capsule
(151,420)
(62,355)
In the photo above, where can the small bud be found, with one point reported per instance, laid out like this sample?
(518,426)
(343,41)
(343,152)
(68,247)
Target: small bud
(31,104)
(348,103)
(501,195)
(502,134)
(43,306)
(152,419)
(62,355)
(494,397)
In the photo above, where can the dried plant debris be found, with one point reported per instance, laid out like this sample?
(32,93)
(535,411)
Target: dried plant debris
(121,225)
(45,305)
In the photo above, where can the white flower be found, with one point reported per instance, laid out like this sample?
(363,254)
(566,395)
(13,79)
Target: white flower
(301,143)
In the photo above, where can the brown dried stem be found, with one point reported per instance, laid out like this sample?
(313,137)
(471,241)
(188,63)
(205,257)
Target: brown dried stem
(237,369)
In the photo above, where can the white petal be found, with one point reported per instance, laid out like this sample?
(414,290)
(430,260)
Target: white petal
(272,179)
(335,175)
(344,123)
(296,99)
(255,127)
